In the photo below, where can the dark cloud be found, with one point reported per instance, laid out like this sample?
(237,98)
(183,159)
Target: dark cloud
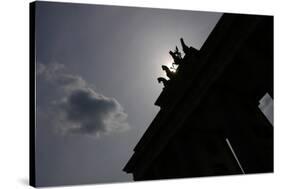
(78,109)
(87,112)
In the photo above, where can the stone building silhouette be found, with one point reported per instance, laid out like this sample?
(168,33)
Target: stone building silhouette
(209,121)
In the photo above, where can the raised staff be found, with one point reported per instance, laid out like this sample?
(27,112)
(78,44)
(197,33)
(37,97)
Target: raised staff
(185,48)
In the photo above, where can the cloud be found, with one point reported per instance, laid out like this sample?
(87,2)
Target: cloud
(90,113)
(78,109)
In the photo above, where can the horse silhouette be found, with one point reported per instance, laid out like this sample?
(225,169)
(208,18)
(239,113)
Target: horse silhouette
(163,80)
(169,73)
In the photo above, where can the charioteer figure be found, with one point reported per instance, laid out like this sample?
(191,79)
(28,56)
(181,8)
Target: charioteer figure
(178,59)
(176,56)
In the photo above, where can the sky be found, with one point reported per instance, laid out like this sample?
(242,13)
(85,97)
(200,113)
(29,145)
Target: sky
(96,84)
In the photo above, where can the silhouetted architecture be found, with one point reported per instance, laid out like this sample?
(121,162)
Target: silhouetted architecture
(209,122)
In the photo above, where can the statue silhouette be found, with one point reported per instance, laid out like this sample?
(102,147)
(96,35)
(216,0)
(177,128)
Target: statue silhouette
(177,53)
(176,56)
(169,73)
(185,48)
(163,80)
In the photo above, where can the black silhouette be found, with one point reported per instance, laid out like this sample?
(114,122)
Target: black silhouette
(209,122)
(177,53)
(185,48)
(169,73)
(163,80)
(176,56)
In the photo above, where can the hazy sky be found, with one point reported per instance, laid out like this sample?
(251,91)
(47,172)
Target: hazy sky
(97,69)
